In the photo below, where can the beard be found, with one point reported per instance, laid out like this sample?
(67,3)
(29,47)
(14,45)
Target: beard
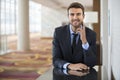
(76,23)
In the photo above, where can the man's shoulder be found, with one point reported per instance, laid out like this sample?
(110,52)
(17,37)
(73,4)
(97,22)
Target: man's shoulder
(61,31)
(88,30)
(61,28)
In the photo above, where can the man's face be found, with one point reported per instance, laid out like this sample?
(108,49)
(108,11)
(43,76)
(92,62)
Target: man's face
(76,17)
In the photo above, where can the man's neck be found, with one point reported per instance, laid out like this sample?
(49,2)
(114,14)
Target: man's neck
(74,29)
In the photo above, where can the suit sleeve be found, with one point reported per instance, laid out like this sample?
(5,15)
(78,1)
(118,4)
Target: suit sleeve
(56,52)
(90,58)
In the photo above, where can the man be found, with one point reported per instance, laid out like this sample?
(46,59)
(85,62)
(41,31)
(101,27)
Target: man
(75,53)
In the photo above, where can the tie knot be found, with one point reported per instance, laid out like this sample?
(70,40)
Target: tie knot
(75,35)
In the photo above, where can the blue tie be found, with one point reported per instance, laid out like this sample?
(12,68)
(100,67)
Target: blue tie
(74,42)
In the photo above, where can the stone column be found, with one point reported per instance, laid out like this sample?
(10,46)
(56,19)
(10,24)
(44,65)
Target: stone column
(23,25)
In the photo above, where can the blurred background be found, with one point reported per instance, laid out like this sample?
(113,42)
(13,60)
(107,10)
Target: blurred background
(26,32)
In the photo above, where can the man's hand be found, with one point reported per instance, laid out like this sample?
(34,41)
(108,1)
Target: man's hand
(78,73)
(82,34)
(78,66)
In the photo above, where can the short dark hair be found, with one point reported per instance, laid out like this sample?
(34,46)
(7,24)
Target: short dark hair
(76,5)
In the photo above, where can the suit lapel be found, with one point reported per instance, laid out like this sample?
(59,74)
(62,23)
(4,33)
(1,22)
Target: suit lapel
(67,40)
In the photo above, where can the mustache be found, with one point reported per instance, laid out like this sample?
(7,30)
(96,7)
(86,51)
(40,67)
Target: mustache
(75,20)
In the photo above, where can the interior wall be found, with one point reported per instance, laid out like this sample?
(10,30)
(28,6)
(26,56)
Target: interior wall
(50,20)
(115,37)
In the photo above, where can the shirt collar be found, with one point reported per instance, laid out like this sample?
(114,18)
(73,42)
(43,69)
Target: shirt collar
(71,31)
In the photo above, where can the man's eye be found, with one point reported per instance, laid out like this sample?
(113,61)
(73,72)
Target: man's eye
(78,14)
(72,14)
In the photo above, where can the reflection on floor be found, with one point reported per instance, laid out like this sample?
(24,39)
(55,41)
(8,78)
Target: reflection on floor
(26,65)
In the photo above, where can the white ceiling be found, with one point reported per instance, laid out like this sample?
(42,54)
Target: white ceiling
(63,4)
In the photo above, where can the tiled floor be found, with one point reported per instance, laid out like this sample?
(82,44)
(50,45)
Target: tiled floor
(26,65)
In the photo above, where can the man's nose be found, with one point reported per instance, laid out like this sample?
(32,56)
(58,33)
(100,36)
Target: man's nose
(75,16)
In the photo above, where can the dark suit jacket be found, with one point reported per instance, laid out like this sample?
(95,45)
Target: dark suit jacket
(62,52)
(58,74)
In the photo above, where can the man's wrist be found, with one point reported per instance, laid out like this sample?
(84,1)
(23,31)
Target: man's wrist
(84,41)
(68,67)
(85,46)
(65,65)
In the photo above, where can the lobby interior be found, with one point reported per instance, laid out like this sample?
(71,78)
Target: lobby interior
(26,33)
